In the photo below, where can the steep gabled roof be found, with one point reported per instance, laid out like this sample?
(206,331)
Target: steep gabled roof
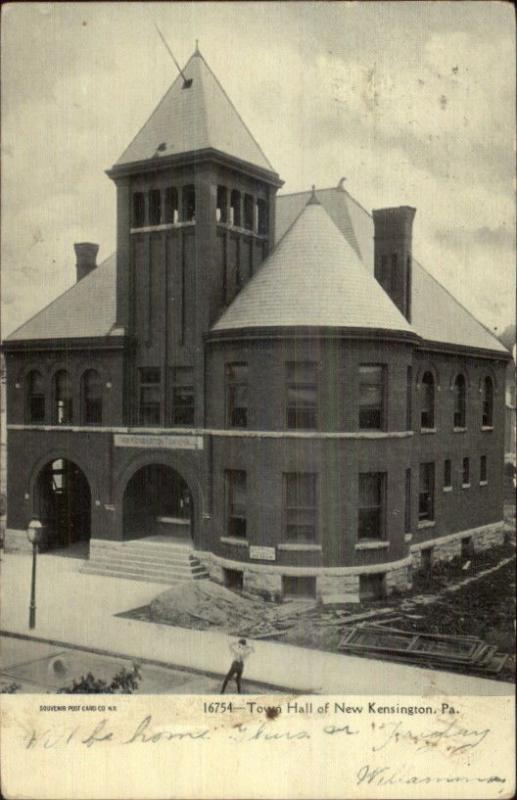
(195,118)
(313,278)
(87,309)
(435,314)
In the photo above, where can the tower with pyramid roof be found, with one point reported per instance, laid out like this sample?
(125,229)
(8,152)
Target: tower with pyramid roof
(195,219)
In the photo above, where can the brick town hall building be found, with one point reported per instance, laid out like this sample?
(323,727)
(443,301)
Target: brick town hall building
(270,389)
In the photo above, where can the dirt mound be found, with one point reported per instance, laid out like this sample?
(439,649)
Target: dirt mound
(203,604)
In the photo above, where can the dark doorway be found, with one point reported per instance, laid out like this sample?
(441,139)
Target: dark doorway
(157,502)
(233,579)
(64,503)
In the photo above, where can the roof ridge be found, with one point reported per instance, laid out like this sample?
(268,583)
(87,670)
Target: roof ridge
(155,109)
(67,291)
(221,87)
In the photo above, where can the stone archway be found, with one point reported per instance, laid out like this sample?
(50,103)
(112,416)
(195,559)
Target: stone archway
(158,502)
(63,503)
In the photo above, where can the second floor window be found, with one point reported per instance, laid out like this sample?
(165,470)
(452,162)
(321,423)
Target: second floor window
(427,401)
(300,507)
(426,492)
(371,396)
(63,398)
(237,395)
(459,402)
(236,503)
(447,474)
(466,472)
(372,489)
(35,397)
(92,397)
(183,396)
(302,395)
(149,409)
(488,403)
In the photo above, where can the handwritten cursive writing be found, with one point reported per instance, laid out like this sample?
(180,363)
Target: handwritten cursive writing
(457,738)
(384,776)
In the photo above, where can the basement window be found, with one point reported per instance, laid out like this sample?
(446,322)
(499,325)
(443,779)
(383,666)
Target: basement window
(189,203)
(155,207)
(233,579)
(138,210)
(298,586)
(372,587)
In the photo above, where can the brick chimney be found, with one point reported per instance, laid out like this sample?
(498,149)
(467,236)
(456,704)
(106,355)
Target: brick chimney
(86,255)
(392,254)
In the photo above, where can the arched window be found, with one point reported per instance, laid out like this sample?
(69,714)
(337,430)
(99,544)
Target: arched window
(427,401)
(62,398)
(35,397)
(488,403)
(92,397)
(459,402)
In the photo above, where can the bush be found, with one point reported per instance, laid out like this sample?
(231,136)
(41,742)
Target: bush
(124,682)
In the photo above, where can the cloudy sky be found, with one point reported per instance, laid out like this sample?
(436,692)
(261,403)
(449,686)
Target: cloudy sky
(412,102)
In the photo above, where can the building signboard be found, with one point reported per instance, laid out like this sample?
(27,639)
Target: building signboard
(152,441)
(262,553)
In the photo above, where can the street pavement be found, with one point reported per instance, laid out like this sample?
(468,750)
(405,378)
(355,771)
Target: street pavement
(79,610)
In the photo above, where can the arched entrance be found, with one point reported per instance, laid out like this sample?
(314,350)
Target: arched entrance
(158,502)
(64,503)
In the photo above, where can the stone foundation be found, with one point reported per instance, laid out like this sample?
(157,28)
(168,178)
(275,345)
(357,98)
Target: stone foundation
(399,580)
(447,547)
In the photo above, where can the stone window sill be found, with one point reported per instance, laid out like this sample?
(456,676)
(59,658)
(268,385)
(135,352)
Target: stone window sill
(408,537)
(301,547)
(427,430)
(426,523)
(233,540)
(465,485)
(447,489)
(240,229)
(483,483)
(459,430)
(487,427)
(166,226)
(372,545)
(173,520)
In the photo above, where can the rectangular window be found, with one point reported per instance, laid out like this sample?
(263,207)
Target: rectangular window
(426,492)
(371,396)
(409,398)
(300,506)
(149,412)
(466,472)
(483,469)
(171,205)
(37,408)
(235,208)
(138,210)
(262,221)
(248,212)
(237,395)
(183,396)
(298,586)
(302,395)
(372,490)
(447,474)
(221,211)
(236,503)
(189,203)
(155,207)
(407,514)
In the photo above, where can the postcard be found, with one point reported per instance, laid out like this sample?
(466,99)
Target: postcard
(258,402)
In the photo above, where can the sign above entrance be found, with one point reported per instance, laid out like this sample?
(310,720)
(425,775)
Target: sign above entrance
(161,442)
(262,553)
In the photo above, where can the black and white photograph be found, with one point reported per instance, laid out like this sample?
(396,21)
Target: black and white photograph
(258,422)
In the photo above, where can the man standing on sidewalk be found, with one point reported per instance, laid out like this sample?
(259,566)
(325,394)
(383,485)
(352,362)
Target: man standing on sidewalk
(240,651)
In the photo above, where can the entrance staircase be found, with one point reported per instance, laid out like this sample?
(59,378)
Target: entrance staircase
(152,560)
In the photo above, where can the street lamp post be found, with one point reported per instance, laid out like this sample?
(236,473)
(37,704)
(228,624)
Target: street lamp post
(34,535)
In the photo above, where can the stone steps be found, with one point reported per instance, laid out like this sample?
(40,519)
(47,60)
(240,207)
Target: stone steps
(152,561)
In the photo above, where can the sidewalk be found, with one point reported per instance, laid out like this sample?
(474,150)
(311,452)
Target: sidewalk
(79,610)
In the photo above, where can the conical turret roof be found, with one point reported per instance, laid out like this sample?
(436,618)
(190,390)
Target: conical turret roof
(313,278)
(192,117)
